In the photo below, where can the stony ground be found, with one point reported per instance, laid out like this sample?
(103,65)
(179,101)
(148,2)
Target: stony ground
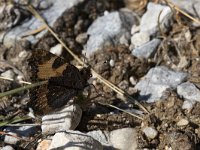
(171,122)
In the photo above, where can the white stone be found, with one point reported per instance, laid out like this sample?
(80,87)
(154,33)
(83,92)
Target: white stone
(155,12)
(132,80)
(140,38)
(124,139)
(57,50)
(74,140)
(150,132)
(7,147)
(112,63)
(66,119)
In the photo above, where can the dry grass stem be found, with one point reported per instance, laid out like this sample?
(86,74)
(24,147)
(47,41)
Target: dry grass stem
(9,79)
(181,11)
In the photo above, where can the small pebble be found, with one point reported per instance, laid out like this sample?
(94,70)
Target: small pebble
(23,54)
(132,80)
(150,132)
(57,50)
(183,122)
(82,38)
(124,139)
(112,63)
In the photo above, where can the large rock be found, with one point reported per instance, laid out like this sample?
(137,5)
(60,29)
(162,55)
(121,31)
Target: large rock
(149,22)
(66,119)
(108,30)
(74,140)
(153,86)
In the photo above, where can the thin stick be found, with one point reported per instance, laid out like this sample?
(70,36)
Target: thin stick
(181,11)
(122,110)
(106,82)
(19,125)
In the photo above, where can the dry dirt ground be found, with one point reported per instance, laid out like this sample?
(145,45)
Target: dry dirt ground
(164,115)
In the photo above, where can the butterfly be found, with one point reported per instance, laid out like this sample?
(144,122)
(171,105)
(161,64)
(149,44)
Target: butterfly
(65,81)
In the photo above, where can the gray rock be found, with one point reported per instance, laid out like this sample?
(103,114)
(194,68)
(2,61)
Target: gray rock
(54,11)
(192,7)
(74,140)
(150,132)
(146,50)
(138,39)
(149,21)
(108,29)
(66,119)
(153,86)
(102,137)
(125,139)
(7,147)
(189,91)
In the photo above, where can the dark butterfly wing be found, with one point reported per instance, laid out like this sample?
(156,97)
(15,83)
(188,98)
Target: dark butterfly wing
(48,98)
(64,81)
(45,65)
(71,78)
(58,96)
